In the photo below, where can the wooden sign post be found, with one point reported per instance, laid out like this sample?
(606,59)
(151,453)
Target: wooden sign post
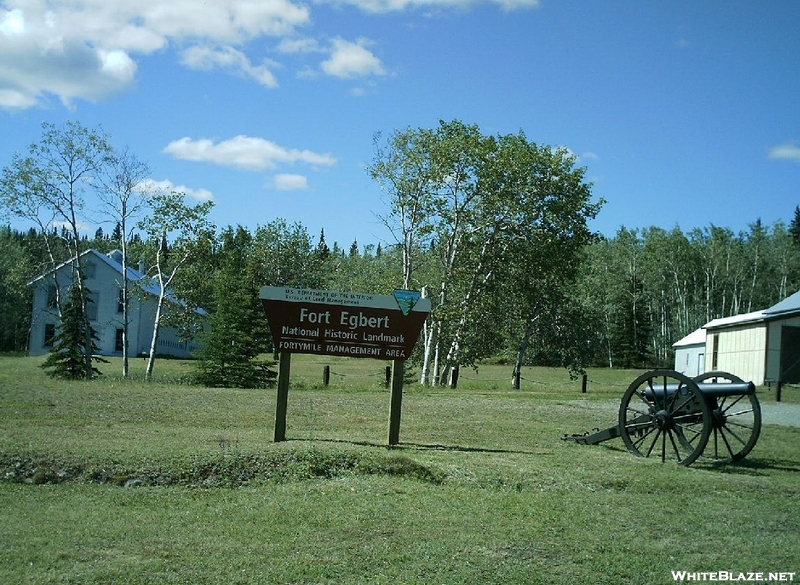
(344,324)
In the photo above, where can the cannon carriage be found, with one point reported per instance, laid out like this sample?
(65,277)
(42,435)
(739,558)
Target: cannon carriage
(713,417)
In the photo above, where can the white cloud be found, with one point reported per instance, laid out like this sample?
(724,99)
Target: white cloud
(287,182)
(208,58)
(243,152)
(13,22)
(167,186)
(87,49)
(787,151)
(299,45)
(351,60)
(381,6)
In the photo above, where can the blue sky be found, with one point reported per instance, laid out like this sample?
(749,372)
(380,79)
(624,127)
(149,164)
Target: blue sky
(684,113)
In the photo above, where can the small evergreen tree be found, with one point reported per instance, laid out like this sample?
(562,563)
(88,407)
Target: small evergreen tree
(794,227)
(322,248)
(238,335)
(67,359)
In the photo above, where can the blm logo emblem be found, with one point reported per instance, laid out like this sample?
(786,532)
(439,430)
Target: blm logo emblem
(406,299)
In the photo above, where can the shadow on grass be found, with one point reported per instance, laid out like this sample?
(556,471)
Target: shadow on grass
(755,466)
(428,447)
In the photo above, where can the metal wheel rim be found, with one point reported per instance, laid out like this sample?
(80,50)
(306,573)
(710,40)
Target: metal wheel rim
(736,423)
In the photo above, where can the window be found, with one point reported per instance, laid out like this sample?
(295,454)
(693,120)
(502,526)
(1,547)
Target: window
(89,269)
(119,339)
(714,350)
(51,296)
(121,301)
(49,335)
(92,303)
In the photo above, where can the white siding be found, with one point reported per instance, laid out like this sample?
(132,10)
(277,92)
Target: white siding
(690,360)
(104,283)
(740,351)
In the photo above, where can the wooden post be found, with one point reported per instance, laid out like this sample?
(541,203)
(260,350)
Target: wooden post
(283,396)
(398,369)
(584,382)
(778,389)
(388,376)
(454,377)
(326,375)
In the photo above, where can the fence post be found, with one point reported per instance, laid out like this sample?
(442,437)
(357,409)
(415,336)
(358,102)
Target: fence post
(387,376)
(778,389)
(584,382)
(326,375)
(454,377)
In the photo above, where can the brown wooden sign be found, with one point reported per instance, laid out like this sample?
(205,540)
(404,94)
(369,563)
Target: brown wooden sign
(344,323)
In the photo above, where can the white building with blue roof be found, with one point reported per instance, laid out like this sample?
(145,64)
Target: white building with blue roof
(762,346)
(104,274)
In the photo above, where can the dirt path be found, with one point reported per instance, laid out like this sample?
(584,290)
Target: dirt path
(772,413)
(780,413)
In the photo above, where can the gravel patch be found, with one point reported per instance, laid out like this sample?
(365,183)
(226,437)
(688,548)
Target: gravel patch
(779,413)
(773,413)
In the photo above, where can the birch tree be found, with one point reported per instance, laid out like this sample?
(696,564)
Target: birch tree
(186,227)
(51,187)
(124,198)
(478,203)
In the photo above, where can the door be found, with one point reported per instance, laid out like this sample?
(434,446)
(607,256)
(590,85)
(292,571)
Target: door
(790,355)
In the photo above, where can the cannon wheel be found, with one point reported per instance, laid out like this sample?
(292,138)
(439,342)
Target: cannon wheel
(663,413)
(736,422)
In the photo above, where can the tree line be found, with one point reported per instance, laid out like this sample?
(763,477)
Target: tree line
(493,229)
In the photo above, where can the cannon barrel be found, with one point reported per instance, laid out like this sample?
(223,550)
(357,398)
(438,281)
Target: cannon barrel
(707,389)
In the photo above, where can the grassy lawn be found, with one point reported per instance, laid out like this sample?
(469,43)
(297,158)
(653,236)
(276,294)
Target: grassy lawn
(119,481)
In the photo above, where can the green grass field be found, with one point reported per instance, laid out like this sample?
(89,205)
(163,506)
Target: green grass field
(120,481)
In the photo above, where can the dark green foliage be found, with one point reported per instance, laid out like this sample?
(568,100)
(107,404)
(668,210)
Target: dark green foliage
(631,329)
(794,227)
(67,359)
(238,333)
(15,297)
(226,469)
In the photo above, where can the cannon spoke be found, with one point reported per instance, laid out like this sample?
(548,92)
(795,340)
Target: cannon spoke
(674,448)
(644,436)
(719,437)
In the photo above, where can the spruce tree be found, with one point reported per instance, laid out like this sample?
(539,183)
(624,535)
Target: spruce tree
(794,226)
(238,335)
(67,358)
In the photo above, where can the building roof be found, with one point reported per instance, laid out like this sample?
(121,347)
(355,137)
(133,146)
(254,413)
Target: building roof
(789,305)
(743,319)
(696,337)
(113,259)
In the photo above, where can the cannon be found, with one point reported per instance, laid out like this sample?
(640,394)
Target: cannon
(714,417)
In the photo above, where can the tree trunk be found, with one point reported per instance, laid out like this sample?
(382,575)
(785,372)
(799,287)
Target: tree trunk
(125,321)
(151,360)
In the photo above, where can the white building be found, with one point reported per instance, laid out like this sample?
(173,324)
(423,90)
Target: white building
(104,275)
(762,346)
(690,353)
